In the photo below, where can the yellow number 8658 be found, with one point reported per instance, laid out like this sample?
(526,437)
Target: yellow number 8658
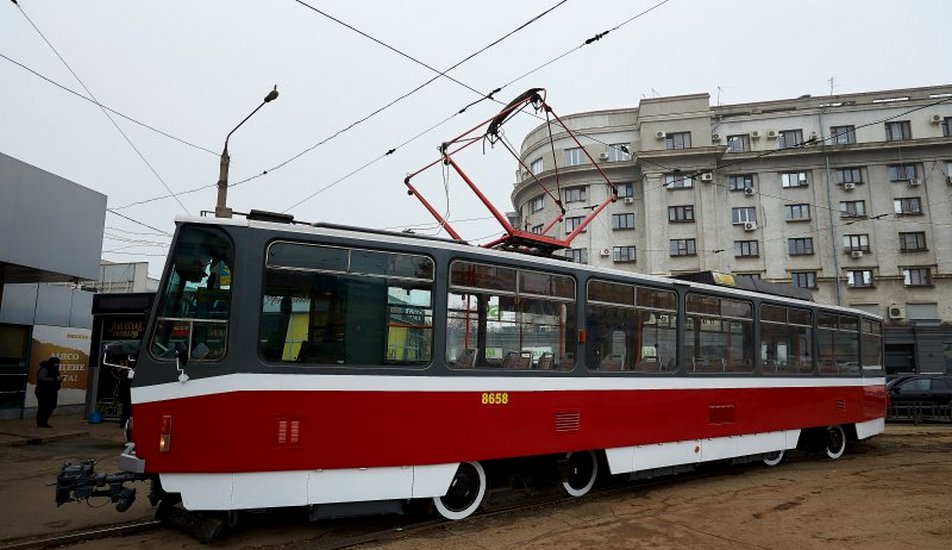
(495,398)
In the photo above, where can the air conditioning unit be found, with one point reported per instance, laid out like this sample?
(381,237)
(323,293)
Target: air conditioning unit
(715,137)
(755,134)
(936,119)
(849,186)
(603,156)
(915,182)
(749,191)
(856,254)
(750,226)
(660,135)
(772,134)
(629,200)
(707,176)
(605,252)
(895,312)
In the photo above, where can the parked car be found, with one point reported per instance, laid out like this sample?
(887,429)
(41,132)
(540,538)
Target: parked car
(921,388)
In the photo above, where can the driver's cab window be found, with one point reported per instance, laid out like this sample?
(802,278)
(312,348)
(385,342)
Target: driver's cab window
(194,305)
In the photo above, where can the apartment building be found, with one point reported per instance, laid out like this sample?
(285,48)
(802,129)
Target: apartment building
(847,195)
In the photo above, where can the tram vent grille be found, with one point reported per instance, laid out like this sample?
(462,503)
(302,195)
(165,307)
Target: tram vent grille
(288,431)
(840,405)
(567,421)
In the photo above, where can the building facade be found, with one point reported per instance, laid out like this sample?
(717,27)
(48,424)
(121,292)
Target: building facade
(847,195)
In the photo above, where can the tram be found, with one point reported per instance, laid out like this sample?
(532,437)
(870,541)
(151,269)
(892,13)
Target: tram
(356,370)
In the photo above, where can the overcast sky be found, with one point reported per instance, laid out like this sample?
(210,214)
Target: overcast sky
(194,69)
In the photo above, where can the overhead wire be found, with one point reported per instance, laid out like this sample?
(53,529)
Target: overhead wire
(594,38)
(104,111)
(106,107)
(396,100)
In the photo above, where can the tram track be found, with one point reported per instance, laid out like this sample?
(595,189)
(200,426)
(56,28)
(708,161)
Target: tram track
(118,530)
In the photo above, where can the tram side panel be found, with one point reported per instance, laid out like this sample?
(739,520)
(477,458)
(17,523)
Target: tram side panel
(262,430)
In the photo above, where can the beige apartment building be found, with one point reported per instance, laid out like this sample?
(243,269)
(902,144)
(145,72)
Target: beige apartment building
(847,195)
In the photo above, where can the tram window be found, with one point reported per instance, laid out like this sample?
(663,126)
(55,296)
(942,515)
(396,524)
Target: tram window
(838,344)
(872,342)
(344,306)
(718,334)
(625,335)
(506,318)
(193,309)
(786,340)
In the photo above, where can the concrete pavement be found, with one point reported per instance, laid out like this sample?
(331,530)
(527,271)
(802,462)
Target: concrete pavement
(30,459)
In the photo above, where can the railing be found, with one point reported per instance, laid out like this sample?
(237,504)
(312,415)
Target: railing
(919,412)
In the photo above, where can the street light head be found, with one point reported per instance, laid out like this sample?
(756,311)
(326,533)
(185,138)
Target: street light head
(272,95)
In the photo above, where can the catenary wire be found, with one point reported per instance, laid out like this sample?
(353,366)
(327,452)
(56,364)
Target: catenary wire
(590,40)
(106,107)
(104,111)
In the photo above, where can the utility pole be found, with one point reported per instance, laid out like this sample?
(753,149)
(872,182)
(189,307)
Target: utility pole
(221,210)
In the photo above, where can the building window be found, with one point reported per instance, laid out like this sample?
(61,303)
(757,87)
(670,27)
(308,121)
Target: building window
(794,179)
(572,223)
(537,229)
(902,172)
(577,255)
(574,194)
(746,249)
(618,152)
(743,214)
(916,276)
(908,206)
(683,247)
(739,143)
(574,156)
(536,166)
(678,181)
(852,209)
(859,278)
(790,138)
(898,130)
(800,246)
(681,214)
(922,311)
(678,140)
(947,127)
(848,175)
(803,279)
(796,212)
(740,182)
(843,135)
(913,241)
(625,190)
(536,203)
(623,221)
(623,254)
(852,243)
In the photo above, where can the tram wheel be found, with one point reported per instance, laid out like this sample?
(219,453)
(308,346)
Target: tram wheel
(465,494)
(582,471)
(775,458)
(835,439)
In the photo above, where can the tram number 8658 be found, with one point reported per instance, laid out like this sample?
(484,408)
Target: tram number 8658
(495,398)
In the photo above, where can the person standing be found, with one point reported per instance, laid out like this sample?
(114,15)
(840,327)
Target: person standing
(48,382)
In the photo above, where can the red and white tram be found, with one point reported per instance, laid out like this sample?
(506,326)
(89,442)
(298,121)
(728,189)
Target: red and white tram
(316,365)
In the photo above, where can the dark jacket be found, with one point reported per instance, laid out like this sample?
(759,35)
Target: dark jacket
(47,378)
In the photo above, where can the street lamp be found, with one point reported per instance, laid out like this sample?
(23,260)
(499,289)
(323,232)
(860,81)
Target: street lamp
(222,211)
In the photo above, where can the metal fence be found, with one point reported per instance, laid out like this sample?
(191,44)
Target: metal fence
(920,412)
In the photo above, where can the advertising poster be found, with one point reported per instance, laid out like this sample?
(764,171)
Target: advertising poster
(71,345)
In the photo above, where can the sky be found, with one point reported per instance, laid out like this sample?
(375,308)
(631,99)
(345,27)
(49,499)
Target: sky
(194,70)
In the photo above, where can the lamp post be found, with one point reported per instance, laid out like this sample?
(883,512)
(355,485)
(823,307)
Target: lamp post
(222,211)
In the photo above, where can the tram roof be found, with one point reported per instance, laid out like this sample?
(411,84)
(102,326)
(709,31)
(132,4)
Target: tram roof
(702,281)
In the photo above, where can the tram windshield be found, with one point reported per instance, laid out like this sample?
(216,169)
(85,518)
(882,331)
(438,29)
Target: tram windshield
(194,306)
